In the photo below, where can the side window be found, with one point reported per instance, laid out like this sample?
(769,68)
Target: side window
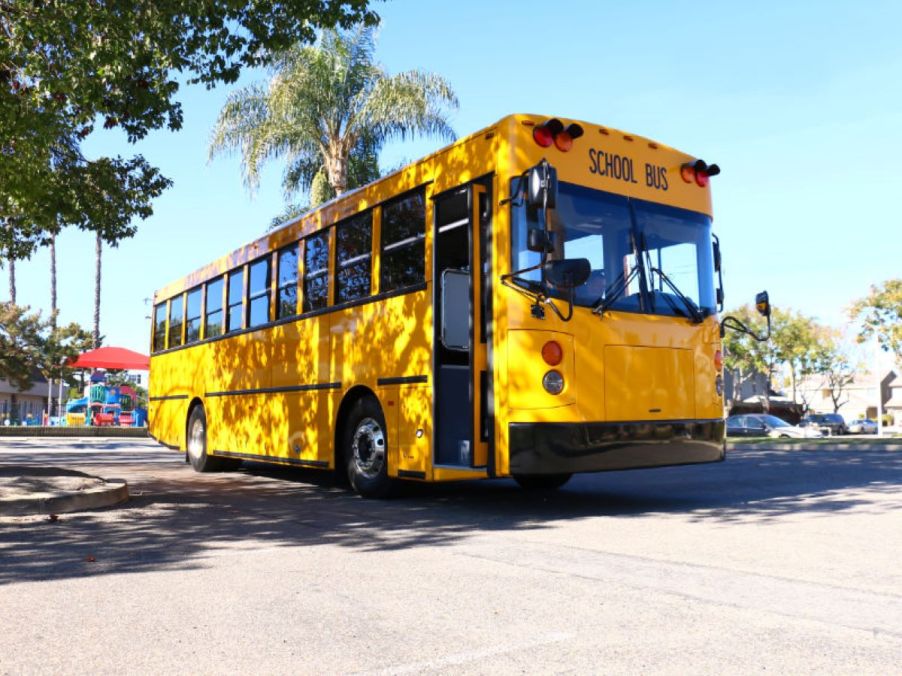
(159,327)
(316,271)
(258,292)
(236,300)
(287,302)
(192,316)
(213,320)
(403,242)
(175,321)
(353,242)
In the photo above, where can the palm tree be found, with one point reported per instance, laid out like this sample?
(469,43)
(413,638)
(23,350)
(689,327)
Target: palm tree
(328,109)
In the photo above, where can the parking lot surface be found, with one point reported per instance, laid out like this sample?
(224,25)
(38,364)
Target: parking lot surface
(772,560)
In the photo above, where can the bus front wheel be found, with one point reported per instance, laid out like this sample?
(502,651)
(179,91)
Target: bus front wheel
(541,482)
(365,449)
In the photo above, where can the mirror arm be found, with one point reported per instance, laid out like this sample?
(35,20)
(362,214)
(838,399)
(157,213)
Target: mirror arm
(731,322)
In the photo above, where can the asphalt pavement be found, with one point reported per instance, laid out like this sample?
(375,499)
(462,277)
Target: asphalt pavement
(771,561)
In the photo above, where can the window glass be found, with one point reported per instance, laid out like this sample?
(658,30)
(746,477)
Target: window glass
(175,321)
(627,243)
(213,322)
(258,292)
(403,242)
(236,300)
(316,271)
(192,316)
(287,303)
(159,327)
(353,241)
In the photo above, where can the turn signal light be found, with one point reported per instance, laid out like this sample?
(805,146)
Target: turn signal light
(554,132)
(552,353)
(718,360)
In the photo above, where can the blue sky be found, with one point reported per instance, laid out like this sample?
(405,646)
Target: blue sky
(800,104)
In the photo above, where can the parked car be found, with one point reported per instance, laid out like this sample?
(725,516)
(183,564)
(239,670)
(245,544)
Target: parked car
(764,425)
(863,426)
(833,422)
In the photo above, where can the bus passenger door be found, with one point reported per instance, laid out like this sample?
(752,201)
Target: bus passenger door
(462,382)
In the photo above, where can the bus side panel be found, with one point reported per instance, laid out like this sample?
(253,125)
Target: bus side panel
(415,429)
(238,419)
(169,407)
(300,420)
(385,341)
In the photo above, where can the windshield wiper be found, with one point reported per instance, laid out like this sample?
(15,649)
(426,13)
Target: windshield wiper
(615,291)
(694,313)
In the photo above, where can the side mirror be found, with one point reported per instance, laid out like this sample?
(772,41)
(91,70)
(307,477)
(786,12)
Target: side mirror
(568,273)
(541,186)
(762,303)
(716,256)
(540,240)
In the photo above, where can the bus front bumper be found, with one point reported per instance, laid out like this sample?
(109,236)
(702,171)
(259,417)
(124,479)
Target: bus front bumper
(558,448)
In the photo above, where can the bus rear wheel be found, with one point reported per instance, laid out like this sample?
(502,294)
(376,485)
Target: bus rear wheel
(541,482)
(197,444)
(365,450)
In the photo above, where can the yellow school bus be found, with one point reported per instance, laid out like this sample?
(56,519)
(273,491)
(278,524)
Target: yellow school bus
(537,299)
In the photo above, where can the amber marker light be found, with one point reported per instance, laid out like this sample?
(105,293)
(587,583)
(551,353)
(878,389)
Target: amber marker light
(718,360)
(552,353)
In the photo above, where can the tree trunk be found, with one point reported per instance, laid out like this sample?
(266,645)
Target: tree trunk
(98,247)
(337,170)
(12,281)
(53,282)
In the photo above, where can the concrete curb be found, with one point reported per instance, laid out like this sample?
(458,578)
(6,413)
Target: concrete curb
(881,448)
(105,494)
(100,432)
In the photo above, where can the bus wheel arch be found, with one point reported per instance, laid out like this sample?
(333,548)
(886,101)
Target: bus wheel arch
(196,442)
(361,443)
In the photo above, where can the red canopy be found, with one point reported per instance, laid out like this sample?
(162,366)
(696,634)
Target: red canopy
(112,358)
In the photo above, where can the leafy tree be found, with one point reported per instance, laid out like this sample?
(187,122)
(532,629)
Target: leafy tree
(59,346)
(65,66)
(880,314)
(328,109)
(838,372)
(20,343)
(29,343)
(796,342)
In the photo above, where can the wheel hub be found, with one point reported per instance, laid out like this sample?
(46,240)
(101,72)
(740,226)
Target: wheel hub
(196,440)
(368,447)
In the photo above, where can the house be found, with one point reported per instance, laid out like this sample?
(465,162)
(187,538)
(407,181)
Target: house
(21,405)
(893,402)
(858,399)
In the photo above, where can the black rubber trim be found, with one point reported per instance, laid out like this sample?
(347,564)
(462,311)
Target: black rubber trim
(275,390)
(271,458)
(555,448)
(410,474)
(294,318)
(170,397)
(402,380)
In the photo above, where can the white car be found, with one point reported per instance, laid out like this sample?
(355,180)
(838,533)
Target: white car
(761,424)
(863,426)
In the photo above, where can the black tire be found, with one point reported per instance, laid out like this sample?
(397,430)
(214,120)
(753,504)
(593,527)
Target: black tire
(196,443)
(364,449)
(541,482)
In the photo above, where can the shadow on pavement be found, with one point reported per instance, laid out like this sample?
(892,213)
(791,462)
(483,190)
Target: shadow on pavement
(177,517)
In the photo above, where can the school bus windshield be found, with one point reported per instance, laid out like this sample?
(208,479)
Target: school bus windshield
(630,243)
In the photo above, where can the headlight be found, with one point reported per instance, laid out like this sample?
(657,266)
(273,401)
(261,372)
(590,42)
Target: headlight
(553,382)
